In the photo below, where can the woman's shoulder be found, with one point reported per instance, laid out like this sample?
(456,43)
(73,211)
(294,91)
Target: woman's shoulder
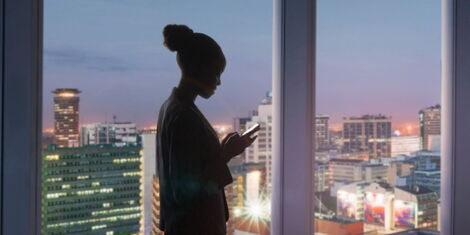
(176,111)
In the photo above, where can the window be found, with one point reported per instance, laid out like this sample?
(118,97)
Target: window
(105,77)
(21,80)
(378,87)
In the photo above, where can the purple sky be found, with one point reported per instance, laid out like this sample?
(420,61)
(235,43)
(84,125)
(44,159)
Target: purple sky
(372,56)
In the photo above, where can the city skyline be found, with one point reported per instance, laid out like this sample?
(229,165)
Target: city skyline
(129,73)
(408,128)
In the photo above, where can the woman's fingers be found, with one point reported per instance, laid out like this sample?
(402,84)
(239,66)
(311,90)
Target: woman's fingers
(249,140)
(252,139)
(228,136)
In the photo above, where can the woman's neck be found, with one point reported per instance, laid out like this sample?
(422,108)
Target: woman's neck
(188,89)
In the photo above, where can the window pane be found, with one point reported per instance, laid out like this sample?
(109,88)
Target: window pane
(377,129)
(106,74)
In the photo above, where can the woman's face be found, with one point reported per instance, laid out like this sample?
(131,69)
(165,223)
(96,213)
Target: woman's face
(208,84)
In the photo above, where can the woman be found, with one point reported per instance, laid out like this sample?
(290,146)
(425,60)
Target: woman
(191,162)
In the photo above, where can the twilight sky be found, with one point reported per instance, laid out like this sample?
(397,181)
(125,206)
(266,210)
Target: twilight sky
(373,56)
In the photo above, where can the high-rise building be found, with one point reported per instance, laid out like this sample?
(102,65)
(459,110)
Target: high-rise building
(322,132)
(371,133)
(91,190)
(405,145)
(429,124)
(155,207)
(260,150)
(239,124)
(66,114)
(108,133)
(148,173)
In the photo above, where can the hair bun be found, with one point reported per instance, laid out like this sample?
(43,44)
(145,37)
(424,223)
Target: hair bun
(176,35)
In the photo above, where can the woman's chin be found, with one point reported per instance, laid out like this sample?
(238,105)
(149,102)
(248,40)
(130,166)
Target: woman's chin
(207,95)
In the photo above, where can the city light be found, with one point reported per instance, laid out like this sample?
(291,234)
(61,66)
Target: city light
(67,94)
(237,212)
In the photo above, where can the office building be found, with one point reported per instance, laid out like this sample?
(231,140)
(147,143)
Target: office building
(430,179)
(260,150)
(66,117)
(371,133)
(434,143)
(155,216)
(426,160)
(148,174)
(322,132)
(91,190)
(345,170)
(239,124)
(358,155)
(429,124)
(405,145)
(109,133)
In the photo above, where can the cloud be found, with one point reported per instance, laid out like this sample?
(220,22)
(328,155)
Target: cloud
(84,59)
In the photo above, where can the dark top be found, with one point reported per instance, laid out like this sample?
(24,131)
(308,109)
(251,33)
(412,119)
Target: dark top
(191,170)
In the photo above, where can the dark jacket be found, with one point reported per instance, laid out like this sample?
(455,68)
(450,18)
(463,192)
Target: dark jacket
(192,173)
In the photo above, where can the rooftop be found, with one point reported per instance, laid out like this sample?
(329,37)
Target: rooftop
(368,117)
(416,190)
(66,90)
(417,232)
(346,160)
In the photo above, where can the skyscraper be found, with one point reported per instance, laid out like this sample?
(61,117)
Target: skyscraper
(429,125)
(66,114)
(260,150)
(322,132)
(148,177)
(91,190)
(371,133)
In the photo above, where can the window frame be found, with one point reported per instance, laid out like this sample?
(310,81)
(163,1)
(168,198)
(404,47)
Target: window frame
(21,109)
(294,40)
(455,71)
(292,138)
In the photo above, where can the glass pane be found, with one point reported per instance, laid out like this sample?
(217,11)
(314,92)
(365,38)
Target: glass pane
(377,152)
(106,74)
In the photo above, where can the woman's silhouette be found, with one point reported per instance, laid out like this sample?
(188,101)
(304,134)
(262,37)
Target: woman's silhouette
(191,162)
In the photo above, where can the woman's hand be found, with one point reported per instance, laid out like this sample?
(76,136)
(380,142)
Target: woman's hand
(233,144)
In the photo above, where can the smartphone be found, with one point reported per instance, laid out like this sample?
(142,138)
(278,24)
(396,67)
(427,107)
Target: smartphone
(252,130)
